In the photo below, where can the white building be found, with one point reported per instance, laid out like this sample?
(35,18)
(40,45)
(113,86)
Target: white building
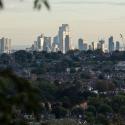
(38,45)
(64,38)
(5,45)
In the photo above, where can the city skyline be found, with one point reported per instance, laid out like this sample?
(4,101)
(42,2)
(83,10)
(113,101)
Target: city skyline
(62,42)
(89,19)
(76,46)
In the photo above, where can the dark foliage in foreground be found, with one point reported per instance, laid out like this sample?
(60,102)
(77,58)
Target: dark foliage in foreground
(16,95)
(19,96)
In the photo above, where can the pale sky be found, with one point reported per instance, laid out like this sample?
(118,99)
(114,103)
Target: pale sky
(88,19)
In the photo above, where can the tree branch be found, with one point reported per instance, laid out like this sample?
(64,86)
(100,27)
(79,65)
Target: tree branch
(37,4)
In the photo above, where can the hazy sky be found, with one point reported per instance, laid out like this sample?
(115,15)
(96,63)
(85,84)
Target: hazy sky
(89,19)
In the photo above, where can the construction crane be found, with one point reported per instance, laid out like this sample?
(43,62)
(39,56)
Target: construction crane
(123,42)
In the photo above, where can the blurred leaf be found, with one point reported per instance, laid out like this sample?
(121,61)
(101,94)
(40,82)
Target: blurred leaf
(1,4)
(46,4)
(37,4)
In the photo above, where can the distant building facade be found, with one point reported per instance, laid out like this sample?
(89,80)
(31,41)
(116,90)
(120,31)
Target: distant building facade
(80,44)
(47,44)
(111,44)
(117,45)
(5,45)
(40,42)
(55,44)
(64,38)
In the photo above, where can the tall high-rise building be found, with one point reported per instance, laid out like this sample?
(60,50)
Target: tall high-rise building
(111,44)
(47,44)
(64,38)
(56,40)
(5,45)
(67,43)
(55,44)
(117,45)
(80,44)
(39,43)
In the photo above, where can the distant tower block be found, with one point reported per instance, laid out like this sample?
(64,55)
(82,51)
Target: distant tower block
(80,44)
(111,44)
(117,45)
(5,45)
(64,38)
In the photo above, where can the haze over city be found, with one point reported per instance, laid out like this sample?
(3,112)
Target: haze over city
(89,19)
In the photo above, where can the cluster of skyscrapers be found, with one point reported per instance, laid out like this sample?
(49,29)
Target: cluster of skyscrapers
(5,45)
(61,42)
(43,43)
(112,45)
